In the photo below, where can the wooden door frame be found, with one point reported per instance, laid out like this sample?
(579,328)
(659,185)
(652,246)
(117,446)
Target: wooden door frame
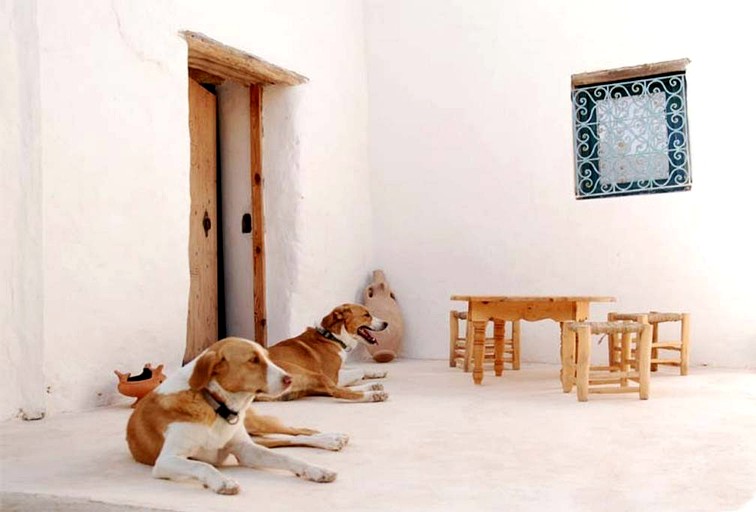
(213,62)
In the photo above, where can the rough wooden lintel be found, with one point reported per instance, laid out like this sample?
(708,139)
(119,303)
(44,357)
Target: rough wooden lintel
(618,74)
(203,77)
(218,59)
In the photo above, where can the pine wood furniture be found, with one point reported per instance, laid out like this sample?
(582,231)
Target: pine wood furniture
(460,346)
(633,363)
(509,308)
(681,345)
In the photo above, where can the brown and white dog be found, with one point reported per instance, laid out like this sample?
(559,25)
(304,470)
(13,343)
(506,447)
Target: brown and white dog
(195,419)
(315,358)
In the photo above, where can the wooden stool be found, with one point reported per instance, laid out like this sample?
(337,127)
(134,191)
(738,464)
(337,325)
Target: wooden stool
(576,337)
(461,347)
(655,318)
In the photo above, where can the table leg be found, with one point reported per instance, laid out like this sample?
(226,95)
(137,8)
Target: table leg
(498,347)
(516,345)
(479,340)
(569,341)
(684,341)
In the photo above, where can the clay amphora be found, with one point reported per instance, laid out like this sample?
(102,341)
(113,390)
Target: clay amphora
(381,302)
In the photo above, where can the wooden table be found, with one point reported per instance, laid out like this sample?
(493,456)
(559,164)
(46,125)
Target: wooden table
(480,309)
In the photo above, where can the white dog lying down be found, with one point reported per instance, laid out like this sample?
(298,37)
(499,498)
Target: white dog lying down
(196,418)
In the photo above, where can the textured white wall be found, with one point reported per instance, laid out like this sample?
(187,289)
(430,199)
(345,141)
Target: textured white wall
(472,173)
(115,161)
(115,165)
(21,314)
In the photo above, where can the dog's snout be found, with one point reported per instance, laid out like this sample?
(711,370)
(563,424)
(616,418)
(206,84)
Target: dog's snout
(286,380)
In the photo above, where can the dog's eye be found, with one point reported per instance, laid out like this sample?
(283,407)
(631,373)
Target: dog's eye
(255,359)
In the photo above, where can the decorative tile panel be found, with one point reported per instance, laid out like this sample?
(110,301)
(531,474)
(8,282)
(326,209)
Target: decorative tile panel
(631,137)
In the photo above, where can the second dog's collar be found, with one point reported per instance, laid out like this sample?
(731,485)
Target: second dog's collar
(330,336)
(220,408)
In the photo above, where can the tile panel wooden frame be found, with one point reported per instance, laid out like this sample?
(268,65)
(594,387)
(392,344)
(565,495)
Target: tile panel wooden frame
(628,73)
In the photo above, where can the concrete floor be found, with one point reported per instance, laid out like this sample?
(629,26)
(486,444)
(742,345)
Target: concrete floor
(440,443)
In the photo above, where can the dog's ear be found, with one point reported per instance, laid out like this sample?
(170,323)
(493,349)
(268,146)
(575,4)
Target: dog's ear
(333,318)
(203,370)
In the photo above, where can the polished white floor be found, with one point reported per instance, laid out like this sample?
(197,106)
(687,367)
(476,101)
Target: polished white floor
(440,443)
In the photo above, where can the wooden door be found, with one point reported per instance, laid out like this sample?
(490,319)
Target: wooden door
(202,321)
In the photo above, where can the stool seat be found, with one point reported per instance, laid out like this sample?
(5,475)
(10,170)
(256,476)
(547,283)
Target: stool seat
(653,317)
(607,327)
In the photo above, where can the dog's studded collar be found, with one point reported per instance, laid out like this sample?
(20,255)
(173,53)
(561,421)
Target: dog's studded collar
(221,409)
(330,336)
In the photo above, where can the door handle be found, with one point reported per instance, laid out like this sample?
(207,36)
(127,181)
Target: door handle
(206,223)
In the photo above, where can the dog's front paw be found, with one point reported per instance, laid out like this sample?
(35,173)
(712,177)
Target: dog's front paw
(316,474)
(377,396)
(374,375)
(376,386)
(331,441)
(223,485)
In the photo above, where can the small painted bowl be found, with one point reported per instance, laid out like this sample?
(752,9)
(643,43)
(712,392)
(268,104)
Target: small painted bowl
(139,385)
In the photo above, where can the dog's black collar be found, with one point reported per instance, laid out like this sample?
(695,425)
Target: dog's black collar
(221,409)
(330,336)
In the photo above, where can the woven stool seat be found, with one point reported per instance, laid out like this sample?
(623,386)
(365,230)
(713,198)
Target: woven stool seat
(606,327)
(654,317)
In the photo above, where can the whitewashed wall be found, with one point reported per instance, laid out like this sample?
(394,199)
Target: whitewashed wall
(21,313)
(112,79)
(471,156)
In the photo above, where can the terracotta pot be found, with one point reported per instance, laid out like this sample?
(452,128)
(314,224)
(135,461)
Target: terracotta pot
(381,302)
(139,385)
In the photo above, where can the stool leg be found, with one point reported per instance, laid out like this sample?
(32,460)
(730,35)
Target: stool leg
(626,345)
(479,341)
(583,362)
(515,344)
(568,359)
(453,335)
(614,352)
(684,340)
(611,345)
(643,355)
(469,335)
(498,347)
(654,350)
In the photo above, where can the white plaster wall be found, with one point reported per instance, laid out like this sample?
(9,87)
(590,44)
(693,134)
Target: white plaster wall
(116,194)
(21,314)
(236,185)
(115,162)
(471,153)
